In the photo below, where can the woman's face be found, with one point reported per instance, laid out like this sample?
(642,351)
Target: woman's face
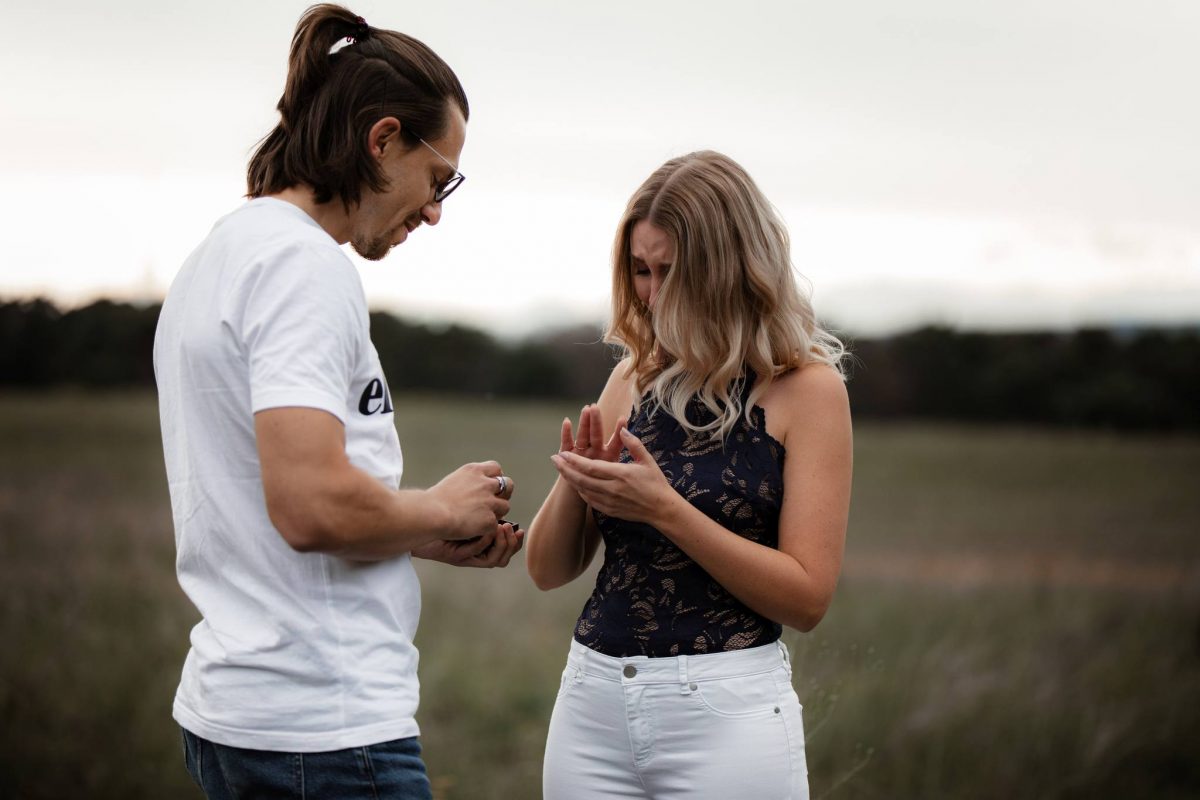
(652,251)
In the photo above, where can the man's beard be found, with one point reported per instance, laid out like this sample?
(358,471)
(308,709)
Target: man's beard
(373,249)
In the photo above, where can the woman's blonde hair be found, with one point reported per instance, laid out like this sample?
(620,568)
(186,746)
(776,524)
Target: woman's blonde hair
(729,300)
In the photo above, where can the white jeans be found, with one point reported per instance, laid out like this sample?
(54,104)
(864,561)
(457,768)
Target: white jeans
(719,725)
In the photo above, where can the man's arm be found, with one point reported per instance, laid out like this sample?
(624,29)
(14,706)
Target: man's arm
(320,502)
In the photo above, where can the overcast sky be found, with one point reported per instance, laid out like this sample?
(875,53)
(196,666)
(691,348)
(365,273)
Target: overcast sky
(991,165)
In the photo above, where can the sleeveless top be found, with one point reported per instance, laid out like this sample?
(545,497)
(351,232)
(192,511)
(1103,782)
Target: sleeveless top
(651,598)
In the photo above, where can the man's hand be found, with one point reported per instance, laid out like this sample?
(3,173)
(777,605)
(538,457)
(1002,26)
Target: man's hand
(320,502)
(494,549)
(471,500)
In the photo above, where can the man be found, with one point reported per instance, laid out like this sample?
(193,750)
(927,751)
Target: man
(294,541)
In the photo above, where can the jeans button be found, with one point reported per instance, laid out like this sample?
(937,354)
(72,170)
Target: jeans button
(630,670)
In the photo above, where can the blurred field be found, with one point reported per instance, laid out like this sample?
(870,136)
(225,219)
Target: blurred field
(1019,616)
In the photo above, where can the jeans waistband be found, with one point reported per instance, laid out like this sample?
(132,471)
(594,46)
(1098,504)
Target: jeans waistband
(678,669)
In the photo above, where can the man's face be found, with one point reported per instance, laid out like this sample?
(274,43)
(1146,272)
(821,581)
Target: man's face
(385,219)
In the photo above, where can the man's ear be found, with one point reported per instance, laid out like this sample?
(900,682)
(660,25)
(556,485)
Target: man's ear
(384,134)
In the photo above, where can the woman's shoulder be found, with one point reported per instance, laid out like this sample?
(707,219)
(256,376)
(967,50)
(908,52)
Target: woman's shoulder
(621,379)
(618,397)
(804,396)
(814,378)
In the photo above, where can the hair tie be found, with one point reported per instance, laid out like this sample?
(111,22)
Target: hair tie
(361,31)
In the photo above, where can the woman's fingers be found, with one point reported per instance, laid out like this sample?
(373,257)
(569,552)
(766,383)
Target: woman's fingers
(573,479)
(566,438)
(587,438)
(612,448)
(582,442)
(583,473)
(630,491)
(595,428)
(635,447)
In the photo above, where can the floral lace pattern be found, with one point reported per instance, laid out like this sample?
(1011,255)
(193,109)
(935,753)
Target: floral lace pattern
(650,597)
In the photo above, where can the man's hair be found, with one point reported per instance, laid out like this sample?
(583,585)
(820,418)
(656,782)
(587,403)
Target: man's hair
(332,99)
(730,299)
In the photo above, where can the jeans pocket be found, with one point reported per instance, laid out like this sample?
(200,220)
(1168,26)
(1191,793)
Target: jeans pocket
(191,756)
(740,695)
(572,676)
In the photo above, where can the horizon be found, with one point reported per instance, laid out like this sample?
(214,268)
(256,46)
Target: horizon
(1117,328)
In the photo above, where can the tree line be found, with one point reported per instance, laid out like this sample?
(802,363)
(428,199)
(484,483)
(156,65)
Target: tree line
(1137,379)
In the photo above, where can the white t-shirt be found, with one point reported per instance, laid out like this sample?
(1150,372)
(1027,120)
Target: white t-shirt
(299,652)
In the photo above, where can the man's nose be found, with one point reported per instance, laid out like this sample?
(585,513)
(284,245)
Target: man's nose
(431,213)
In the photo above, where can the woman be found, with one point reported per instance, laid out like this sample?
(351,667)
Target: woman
(722,505)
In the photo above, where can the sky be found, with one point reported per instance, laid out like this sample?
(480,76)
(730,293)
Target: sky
(989,165)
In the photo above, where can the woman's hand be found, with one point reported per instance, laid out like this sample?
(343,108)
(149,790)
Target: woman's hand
(590,441)
(637,491)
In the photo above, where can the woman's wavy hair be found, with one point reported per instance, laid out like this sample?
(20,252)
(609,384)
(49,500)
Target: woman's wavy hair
(729,301)
(332,98)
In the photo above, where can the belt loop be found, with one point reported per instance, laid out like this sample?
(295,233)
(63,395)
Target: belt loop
(787,657)
(683,676)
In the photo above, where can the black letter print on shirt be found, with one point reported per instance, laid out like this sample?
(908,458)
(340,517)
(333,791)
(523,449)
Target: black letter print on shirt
(370,403)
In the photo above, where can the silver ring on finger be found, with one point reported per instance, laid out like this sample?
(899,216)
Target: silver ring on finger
(503,487)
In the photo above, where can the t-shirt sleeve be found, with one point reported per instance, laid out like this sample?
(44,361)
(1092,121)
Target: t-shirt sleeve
(301,328)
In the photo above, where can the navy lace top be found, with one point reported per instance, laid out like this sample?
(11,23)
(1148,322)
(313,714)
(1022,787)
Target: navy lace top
(650,598)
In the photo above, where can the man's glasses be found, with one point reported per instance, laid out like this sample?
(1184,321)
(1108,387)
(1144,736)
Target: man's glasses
(443,189)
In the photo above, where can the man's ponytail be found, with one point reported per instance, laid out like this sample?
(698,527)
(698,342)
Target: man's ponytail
(310,62)
(332,98)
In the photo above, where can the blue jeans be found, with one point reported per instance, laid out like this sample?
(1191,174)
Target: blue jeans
(385,771)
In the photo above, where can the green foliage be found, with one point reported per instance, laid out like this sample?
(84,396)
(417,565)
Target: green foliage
(104,344)
(1140,380)
(1146,380)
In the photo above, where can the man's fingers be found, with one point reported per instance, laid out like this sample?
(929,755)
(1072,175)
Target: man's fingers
(511,544)
(507,543)
(500,486)
(483,543)
(491,468)
(501,507)
(510,486)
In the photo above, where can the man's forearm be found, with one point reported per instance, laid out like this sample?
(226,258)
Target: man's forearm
(352,515)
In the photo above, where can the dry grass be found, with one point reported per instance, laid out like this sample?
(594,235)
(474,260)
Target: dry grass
(971,651)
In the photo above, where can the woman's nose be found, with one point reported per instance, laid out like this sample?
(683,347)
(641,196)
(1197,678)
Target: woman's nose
(655,289)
